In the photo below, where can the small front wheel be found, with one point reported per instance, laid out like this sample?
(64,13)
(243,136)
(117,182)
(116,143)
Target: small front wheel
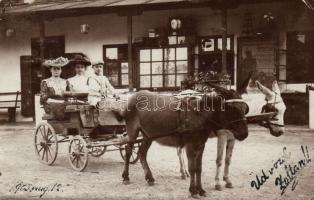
(78,153)
(98,151)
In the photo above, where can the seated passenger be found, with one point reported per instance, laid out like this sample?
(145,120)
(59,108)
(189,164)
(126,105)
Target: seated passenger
(52,89)
(99,84)
(78,83)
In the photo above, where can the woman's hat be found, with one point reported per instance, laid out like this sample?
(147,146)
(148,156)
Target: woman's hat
(80,59)
(58,62)
(98,63)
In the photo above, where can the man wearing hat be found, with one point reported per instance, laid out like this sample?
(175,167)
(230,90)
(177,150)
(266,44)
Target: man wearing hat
(99,85)
(52,89)
(78,83)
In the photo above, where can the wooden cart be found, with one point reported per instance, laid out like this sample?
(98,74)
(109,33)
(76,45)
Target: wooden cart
(88,132)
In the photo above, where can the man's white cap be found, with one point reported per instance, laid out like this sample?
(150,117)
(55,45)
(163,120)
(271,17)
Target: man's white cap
(98,63)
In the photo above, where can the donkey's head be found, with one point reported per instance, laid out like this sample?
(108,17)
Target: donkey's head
(233,117)
(274,104)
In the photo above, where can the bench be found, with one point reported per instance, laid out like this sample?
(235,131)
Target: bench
(11,102)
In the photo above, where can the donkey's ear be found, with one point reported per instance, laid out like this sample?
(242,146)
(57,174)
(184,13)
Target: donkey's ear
(242,88)
(263,89)
(275,87)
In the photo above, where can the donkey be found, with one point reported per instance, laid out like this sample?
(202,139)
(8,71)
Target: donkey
(173,124)
(267,101)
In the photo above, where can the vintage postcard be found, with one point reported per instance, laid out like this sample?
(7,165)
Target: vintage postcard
(157,99)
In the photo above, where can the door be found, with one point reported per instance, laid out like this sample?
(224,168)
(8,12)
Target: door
(26,86)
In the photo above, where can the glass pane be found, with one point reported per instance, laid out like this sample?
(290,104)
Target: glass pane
(182,67)
(220,43)
(182,53)
(157,68)
(157,81)
(114,80)
(170,67)
(144,68)
(125,79)
(124,67)
(169,54)
(170,80)
(180,77)
(145,55)
(112,68)
(145,81)
(156,54)
(112,53)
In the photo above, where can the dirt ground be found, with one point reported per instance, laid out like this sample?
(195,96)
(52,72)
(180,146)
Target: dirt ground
(102,178)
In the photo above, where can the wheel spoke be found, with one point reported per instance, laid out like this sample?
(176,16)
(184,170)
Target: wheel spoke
(43,156)
(77,161)
(48,148)
(72,160)
(50,137)
(47,154)
(45,135)
(41,132)
(42,147)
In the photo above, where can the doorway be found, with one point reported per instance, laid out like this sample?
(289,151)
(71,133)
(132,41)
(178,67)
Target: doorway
(32,72)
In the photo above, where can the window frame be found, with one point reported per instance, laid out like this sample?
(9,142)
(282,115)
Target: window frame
(119,60)
(163,61)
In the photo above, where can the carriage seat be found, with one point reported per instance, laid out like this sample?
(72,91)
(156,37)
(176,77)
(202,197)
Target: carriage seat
(47,117)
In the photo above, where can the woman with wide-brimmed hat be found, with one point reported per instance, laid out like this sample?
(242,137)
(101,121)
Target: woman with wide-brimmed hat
(52,88)
(78,83)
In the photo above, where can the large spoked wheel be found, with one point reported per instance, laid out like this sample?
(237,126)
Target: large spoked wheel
(98,151)
(135,152)
(46,143)
(78,153)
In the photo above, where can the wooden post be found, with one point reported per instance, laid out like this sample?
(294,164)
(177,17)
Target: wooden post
(130,51)
(42,39)
(224,40)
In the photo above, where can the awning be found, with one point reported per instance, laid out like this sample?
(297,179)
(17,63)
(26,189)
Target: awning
(47,6)
(59,8)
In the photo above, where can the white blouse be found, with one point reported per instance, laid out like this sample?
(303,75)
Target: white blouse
(78,83)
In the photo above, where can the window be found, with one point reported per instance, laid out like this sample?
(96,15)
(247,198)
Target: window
(116,64)
(210,48)
(300,57)
(162,67)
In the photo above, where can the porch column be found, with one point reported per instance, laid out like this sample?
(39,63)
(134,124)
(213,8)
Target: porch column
(224,40)
(130,51)
(42,30)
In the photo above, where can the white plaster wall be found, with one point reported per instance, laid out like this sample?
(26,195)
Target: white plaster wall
(111,29)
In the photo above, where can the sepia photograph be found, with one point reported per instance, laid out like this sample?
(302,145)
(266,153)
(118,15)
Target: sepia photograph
(157,99)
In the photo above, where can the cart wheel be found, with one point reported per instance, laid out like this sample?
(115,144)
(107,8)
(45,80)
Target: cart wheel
(78,153)
(46,143)
(98,151)
(134,157)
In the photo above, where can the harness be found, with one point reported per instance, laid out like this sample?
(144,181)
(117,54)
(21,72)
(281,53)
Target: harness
(269,122)
(183,114)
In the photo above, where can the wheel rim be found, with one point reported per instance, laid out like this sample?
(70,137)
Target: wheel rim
(98,151)
(134,157)
(46,143)
(78,153)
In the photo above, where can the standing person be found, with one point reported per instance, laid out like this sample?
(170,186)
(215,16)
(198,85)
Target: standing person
(52,89)
(99,84)
(78,83)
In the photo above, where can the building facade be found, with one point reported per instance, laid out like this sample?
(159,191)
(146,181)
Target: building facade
(274,39)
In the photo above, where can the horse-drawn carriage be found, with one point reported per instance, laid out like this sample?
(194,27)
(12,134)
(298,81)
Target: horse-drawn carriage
(87,129)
